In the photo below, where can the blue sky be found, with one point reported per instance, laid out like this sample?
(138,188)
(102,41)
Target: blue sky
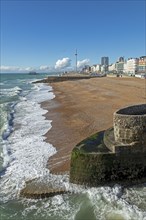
(45,34)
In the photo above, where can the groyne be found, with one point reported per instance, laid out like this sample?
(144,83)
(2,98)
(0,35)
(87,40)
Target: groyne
(54,79)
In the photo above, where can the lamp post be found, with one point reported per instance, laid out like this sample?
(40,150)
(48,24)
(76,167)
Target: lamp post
(76,54)
(145,78)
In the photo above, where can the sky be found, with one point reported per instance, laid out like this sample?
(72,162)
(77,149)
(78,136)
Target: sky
(43,35)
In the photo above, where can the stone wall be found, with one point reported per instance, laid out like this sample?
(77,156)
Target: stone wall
(117,155)
(96,169)
(130,124)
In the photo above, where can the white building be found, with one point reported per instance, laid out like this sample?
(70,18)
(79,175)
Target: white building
(112,67)
(96,68)
(125,67)
(132,66)
(119,67)
(103,69)
(93,68)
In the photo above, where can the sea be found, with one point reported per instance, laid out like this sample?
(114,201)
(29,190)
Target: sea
(24,154)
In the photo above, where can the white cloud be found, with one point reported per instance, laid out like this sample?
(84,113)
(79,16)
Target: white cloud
(82,63)
(9,68)
(16,69)
(29,69)
(44,68)
(61,64)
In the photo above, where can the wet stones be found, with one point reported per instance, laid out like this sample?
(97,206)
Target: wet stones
(36,189)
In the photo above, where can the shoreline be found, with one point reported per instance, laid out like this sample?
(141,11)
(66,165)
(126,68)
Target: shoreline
(55,79)
(83,107)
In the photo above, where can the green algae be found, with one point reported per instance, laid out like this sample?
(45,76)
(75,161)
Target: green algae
(93,164)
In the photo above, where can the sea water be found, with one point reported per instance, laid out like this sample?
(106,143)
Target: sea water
(24,155)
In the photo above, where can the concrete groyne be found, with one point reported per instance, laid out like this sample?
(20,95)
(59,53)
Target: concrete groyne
(39,189)
(54,79)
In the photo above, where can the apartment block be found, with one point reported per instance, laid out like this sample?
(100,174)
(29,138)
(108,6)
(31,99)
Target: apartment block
(142,64)
(132,66)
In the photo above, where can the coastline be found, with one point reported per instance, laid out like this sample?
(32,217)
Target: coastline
(83,107)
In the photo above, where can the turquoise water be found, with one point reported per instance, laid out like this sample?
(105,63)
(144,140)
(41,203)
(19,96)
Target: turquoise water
(24,154)
(13,87)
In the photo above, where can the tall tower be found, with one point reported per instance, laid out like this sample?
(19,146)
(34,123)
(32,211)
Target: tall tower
(76,54)
(105,63)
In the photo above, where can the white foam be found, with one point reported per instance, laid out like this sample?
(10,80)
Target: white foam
(5,154)
(109,203)
(3,117)
(29,151)
(11,91)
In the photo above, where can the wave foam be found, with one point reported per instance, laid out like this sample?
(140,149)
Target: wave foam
(11,91)
(29,152)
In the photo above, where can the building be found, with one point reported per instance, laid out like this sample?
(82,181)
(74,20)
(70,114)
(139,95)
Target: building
(86,69)
(121,59)
(125,67)
(119,67)
(112,67)
(132,66)
(93,68)
(104,63)
(142,65)
(96,68)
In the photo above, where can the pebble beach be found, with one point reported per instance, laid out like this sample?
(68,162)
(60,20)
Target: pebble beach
(83,107)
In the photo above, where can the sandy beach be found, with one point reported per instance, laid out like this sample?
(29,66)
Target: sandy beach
(83,107)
